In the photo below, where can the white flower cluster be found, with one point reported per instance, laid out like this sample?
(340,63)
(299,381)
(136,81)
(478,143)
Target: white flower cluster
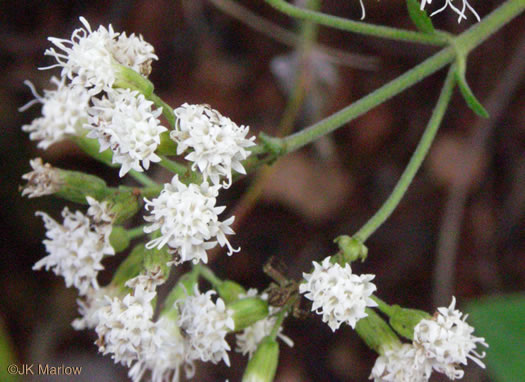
(188,220)
(125,122)
(76,248)
(442,344)
(43,180)
(206,324)
(450,3)
(248,340)
(217,145)
(338,294)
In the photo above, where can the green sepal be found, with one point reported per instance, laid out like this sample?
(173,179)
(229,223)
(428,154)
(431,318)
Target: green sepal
(75,186)
(118,238)
(127,78)
(124,204)
(230,291)
(403,320)
(131,267)
(419,17)
(167,145)
(155,259)
(247,311)
(185,287)
(91,147)
(263,364)
(350,250)
(375,332)
(471,100)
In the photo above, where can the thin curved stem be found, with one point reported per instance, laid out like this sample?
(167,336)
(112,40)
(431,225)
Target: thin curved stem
(142,178)
(414,164)
(357,27)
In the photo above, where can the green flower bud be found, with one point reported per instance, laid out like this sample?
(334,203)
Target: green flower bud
(375,332)
(157,259)
(404,320)
(127,78)
(247,311)
(230,291)
(75,186)
(263,364)
(131,267)
(350,249)
(118,238)
(124,204)
(91,147)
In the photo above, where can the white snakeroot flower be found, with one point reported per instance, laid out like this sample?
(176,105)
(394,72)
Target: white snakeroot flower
(165,360)
(125,122)
(217,145)
(249,338)
(43,180)
(90,58)
(337,294)
(64,110)
(404,363)
(448,341)
(450,3)
(206,324)
(76,249)
(125,329)
(90,306)
(188,220)
(99,211)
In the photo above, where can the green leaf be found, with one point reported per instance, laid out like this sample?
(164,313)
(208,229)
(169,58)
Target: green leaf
(419,17)
(469,97)
(500,320)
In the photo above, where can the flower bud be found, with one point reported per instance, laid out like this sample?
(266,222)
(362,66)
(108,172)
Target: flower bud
(118,238)
(247,311)
(350,249)
(129,268)
(404,320)
(375,332)
(124,204)
(230,291)
(263,364)
(127,78)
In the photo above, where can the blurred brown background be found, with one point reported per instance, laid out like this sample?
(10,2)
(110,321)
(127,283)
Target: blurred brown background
(325,190)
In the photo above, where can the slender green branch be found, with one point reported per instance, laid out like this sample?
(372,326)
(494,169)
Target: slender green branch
(142,178)
(209,276)
(174,167)
(356,26)
(167,110)
(151,192)
(135,232)
(382,306)
(281,316)
(415,161)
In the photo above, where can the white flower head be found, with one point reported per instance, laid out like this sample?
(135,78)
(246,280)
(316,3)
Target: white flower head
(206,324)
(43,180)
(100,212)
(125,122)
(217,144)
(90,58)
(125,328)
(90,306)
(64,110)
(165,360)
(450,3)
(404,363)
(75,249)
(249,338)
(337,294)
(188,220)
(448,341)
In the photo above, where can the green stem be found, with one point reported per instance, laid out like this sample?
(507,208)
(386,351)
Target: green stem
(357,27)
(167,110)
(382,306)
(209,276)
(415,161)
(174,167)
(151,192)
(143,179)
(281,316)
(133,233)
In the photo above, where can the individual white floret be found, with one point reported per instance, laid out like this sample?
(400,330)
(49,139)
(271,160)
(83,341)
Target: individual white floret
(43,180)
(450,3)
(188,220)
(90,58)
(206,324)
(90,306)
(64,110)
(125,122)
(75,249)
(403,363)
(217,145)
(337,294)
(448,341)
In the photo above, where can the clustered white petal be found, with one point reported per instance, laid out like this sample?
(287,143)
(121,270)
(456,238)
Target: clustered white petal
(217,145)
(126,122)
(248,340)
(337,294)
(43,180)
(188,220)
(90,306)
(125,328)
(450,3)
(76,249)
(206,324)
(89,59)
(403,363)
(448,341)
(63,112)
